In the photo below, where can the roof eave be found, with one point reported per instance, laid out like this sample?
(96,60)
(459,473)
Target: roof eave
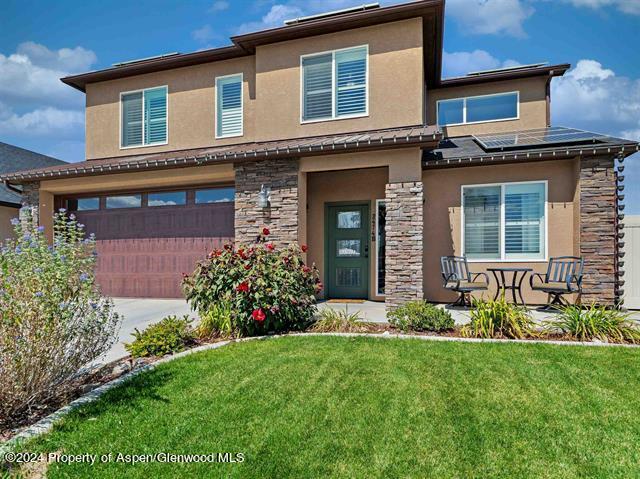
(546,71)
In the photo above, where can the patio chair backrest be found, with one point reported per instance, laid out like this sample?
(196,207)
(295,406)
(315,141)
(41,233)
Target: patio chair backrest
(564,269)
(455,268)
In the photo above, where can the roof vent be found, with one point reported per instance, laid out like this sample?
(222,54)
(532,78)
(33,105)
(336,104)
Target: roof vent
(140,60)
(507,69)
(359,8)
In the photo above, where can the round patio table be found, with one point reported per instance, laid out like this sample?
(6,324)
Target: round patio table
(499,274)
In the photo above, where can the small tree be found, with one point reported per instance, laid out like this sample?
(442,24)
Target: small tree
(264,288)
(53,320)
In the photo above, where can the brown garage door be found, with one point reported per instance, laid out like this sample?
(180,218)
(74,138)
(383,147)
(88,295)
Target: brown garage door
(147,240)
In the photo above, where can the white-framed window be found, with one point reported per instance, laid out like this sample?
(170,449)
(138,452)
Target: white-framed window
(143,117)
(335,84)
(381,245)
(505,221)
(479,109)
(229,116)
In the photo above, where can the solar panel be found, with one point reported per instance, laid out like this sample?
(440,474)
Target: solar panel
(537,138)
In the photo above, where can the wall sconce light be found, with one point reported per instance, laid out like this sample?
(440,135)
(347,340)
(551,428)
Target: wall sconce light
(264,197)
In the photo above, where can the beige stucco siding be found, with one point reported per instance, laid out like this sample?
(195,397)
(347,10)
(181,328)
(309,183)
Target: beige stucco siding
(395,80)
(533,105)
(6,228)
(271,95)
(442,220)
(191,108)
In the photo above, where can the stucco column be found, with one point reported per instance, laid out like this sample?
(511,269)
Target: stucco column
(404,244)
(598,230)
(282,215)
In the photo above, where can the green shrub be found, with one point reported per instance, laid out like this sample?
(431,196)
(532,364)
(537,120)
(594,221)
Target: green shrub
(339,321)
(595,322)
(171,335)
(53,320)
(420,316)
(268,289)
(216,322)
(498,319)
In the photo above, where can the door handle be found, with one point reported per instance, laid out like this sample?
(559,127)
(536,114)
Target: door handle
(366,251)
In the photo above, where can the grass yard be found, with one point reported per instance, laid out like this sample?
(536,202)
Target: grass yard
(364,407)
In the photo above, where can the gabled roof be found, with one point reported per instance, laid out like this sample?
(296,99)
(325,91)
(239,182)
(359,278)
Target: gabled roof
(431,11)
(468,151)
(14,158)
(419,135)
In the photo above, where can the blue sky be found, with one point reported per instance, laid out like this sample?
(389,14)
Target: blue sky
(42,41)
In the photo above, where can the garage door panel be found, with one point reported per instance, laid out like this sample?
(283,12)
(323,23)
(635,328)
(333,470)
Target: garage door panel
(149,267)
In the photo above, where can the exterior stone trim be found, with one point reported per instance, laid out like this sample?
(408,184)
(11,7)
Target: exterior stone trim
(404,243)
(29,213)
(281,217)
(598,230)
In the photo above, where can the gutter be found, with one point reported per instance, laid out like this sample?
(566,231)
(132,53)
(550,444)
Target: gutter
(10,187)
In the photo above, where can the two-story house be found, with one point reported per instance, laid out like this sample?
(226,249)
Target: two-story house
(336,131)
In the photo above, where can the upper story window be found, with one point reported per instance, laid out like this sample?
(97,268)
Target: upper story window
(229,106)
(144,117)
(478,109)
(334,84)
(504,222)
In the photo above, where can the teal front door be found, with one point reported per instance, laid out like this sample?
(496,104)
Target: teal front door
(347,251)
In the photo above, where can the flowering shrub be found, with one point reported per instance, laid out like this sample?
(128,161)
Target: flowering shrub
(53,320)
(267,289)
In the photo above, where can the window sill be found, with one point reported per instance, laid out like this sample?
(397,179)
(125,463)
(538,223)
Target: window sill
(480,122)
(229,136)
(320,120)
(148,145)
(541,260)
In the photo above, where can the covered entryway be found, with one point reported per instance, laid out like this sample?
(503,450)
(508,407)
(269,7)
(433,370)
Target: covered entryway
(146,240)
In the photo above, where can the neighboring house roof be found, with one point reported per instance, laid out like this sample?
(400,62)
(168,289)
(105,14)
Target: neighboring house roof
(423,136)
(512,73)
(431,11)
(468,150)
(14,158)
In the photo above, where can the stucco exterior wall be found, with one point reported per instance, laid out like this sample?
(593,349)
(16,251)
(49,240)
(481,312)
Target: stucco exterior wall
(190,107)
(395,80)
(533,105)
(442,217)
(271,92)
(6,228)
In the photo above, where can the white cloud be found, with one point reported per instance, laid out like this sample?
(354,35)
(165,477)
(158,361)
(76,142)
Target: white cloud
(595,98)
(280,12)
(43,122)
(460,63)
(625,6)
(204,34)
(70,60)
(490,16)
(219,6)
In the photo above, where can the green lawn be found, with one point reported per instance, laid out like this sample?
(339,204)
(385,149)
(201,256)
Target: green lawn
(366,407)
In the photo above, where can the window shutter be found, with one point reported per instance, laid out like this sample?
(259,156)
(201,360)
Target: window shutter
(524,221)
(132,119)
(482,222)
(351,82)
(229,106)
(155,116)
(317,84)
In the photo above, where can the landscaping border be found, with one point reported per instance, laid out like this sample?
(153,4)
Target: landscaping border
(45,424)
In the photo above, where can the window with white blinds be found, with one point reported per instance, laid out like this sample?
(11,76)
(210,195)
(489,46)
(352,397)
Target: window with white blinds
(334,84)
(229,106)
(505,222)
(144,117)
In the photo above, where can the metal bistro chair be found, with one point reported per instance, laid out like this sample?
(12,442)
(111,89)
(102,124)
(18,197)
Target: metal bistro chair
(457,277)
(563,276)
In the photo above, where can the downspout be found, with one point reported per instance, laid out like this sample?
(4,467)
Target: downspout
(10,187)
(548,98)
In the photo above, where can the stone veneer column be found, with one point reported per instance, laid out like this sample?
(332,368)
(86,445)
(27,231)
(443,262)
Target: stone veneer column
(30,202)
(404,246)
(282,215)
(598,229)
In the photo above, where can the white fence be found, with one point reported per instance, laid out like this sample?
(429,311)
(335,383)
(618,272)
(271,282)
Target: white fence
(632,262)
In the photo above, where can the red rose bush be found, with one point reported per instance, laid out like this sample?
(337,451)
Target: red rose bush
(253,290)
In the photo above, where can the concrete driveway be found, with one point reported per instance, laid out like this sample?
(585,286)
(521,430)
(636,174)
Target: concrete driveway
(139,313)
